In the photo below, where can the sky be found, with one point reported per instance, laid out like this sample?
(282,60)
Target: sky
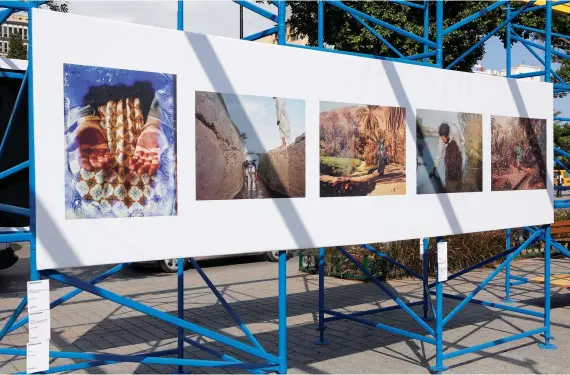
(328,106)
(221,18)
(433,119)
(256,116)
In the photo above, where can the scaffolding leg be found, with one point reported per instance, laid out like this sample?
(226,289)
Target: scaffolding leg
(282,312)
(507,298)
(180,349)
(547,250)
(439,367)
(321,329)
(425,261)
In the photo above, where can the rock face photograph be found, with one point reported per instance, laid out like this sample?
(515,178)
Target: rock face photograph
(249,147)
(449,152)
(120,135)
(362,150)
(518,153)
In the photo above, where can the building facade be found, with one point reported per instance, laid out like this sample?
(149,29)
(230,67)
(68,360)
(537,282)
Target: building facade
(516,69)
(292,38)
(16,23)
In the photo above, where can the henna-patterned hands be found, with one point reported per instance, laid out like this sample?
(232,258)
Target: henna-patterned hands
(146,158)
(93,150)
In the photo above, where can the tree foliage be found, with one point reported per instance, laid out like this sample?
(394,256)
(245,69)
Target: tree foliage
(58,6)
(16,48)
(345,33)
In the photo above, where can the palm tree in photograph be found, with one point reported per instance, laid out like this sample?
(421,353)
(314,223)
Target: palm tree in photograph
(334,119)
(395,120)
(351,132)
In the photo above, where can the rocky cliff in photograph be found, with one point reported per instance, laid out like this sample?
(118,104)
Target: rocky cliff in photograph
(283,169)
(219,150)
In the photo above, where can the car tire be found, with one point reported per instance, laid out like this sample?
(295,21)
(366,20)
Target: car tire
(273,256)
(171,265)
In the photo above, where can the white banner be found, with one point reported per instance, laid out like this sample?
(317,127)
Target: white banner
(154,143)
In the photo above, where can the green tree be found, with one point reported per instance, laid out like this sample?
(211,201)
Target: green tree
(16,48)
(346,33)
(562,139)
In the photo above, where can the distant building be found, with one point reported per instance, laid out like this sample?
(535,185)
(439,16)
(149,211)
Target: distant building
(516,69)
(291,38)
(16,23)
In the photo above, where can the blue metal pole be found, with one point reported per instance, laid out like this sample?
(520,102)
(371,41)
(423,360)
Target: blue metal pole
(548,43)
(34,274)
(281,12)
(13,318)
(509,56)
(403,267)
(547,250)
(261,34)
(425,279)
(13,114)
(426,28)
(74,292)
(508,267)
(492,33)
(114,297)
(377,35)
(180,330)
(472,17)
(438,368)
(397,331)
(282,312)
(226,305)
(381,23)
(180,16)
(321,329)
(387,290)
(14,169)
(321,21)
(439,33)
(489,344)
(491,276)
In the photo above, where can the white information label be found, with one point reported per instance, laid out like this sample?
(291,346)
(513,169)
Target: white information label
(39,326)
(38,296)
(442,261)
(421,247)
(37,358)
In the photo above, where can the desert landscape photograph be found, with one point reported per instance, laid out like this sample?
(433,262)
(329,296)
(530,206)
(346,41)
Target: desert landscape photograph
(518,153)
(449,152)
(362,150)
(249,147)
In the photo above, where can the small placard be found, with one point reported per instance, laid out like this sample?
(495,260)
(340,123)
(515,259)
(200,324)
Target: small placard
(37,357)
(442,261)
(421,247)
(39,326)
(38,296)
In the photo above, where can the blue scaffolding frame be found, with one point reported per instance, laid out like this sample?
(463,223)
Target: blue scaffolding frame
(434,49)
(264,361)
(432,56)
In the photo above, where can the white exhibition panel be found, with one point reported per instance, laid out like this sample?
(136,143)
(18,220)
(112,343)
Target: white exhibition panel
(203,63)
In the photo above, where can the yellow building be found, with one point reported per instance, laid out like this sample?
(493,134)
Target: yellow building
(292,38)
(16,23)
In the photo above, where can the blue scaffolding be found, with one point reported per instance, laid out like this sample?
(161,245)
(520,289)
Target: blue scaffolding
(264,360)
(432,56)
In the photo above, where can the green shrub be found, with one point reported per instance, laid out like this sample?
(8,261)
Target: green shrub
(334,166)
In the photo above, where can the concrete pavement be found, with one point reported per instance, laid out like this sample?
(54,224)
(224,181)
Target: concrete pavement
(88,323)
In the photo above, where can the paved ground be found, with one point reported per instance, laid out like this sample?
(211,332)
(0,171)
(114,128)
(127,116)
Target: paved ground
(90,324)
